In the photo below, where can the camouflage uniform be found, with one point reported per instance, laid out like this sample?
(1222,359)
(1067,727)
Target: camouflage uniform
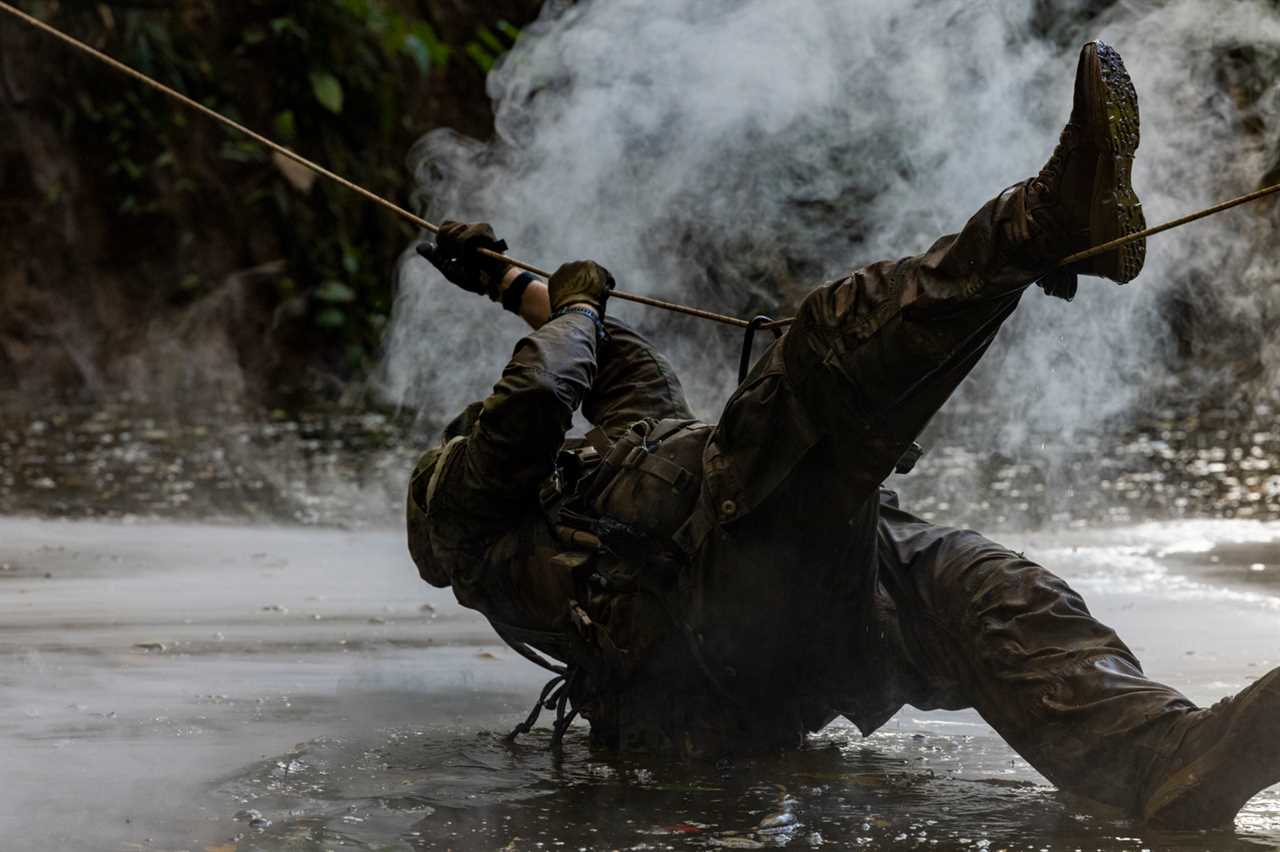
(754,579)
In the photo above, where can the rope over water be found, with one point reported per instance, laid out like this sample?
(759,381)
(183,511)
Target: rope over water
(528,267)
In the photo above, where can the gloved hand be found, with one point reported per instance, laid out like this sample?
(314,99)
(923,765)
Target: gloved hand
(455,255)
(582,282)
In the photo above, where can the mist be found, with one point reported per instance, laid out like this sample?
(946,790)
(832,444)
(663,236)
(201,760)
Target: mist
(731,155)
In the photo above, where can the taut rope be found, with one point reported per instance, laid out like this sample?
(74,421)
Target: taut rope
(424,224)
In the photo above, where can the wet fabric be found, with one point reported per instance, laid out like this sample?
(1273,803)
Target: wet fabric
(975,624)
(801,592)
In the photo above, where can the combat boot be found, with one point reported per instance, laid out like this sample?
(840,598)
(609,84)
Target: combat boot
(1223,756)
(1083,196)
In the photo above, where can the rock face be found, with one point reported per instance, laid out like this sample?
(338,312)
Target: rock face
(149,252)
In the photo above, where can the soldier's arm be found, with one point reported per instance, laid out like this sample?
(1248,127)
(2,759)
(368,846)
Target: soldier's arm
(634,380)
(491,479)
(535,301)
(495,475)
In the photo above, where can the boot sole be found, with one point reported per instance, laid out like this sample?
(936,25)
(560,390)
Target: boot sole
(1116,211)
(1211,790)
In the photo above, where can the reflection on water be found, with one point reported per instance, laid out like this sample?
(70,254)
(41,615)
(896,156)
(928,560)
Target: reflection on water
(320,467)
(435,789)
(342,467)
(1211,464)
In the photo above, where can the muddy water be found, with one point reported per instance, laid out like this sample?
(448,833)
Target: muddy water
(206,687)
(177,673)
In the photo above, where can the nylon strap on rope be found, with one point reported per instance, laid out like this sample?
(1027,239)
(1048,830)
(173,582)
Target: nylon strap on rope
(528,267)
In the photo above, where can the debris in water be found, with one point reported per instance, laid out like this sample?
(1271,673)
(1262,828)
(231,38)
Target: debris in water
(736,843)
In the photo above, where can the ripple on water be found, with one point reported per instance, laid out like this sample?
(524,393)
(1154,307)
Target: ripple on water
(434,788)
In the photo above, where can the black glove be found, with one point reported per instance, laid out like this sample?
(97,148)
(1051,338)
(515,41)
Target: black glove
(582,282)
(455,255)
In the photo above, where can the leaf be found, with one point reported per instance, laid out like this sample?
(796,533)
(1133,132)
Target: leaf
(286,127)
(328,91)
(480,56)
(358,8)
(330,318)
(299,176)
(391,30)
(423,32)
(509,30)
(335,291)
(490,40)
(418,52)
(280,26)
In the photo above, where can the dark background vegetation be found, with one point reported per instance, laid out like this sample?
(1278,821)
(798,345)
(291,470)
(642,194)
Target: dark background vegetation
(149,252)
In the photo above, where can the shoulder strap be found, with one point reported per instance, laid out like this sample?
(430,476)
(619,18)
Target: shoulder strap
(450,448)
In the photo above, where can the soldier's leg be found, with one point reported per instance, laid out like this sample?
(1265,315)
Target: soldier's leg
(633,381)
(990,629)
(873,356)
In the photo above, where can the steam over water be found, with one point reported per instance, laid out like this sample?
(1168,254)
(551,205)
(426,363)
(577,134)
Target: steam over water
(732,154)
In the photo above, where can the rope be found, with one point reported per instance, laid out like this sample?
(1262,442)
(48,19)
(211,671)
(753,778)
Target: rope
(323,172)
(528,267)
(1168,226)
(1125,240)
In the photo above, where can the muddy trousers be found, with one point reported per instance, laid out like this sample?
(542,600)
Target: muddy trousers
(981,626)
(795,472)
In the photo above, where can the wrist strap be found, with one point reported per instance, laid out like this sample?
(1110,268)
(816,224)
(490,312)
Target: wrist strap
(514,294)
(591,313)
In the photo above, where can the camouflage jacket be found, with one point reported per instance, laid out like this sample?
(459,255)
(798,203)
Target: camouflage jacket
(702,621)
(495,515)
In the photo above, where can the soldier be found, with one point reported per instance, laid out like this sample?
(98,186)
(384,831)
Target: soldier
(713,588)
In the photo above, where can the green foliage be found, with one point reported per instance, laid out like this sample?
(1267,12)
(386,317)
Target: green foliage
(333,79)
(328,91)
(486,48)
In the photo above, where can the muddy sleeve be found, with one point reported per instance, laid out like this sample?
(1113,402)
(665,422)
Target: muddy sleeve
(490,481)
(634,382)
